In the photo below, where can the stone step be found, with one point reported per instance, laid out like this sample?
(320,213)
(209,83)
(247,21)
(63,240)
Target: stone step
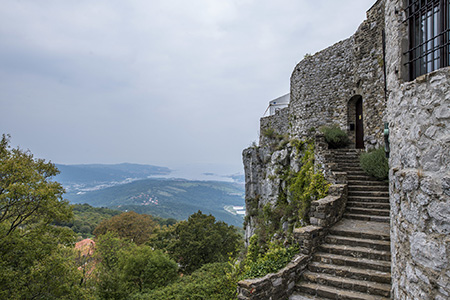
(381,219)
(334,293)
(368,199)
(362,286)
(347,163)
(361,263)
(361,177)
(350,272)
(358,242)
(354,172)
(346,168)
(356,251)
(368,204)
(346,158)
(302,296)
(345,154)
(350,168)
(369,193)
(373,230)
(368,211)
(368,234)
(367,181)
(369,187)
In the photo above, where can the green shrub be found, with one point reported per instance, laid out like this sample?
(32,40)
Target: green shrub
(209,282)
(269,133)
(375,163)
(276,258)
(335,137)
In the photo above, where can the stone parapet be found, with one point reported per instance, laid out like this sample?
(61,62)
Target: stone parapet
(308,238)
(275,285)
(277,122)
(327,211)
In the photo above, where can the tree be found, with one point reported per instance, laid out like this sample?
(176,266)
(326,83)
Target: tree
(132,226)
(36,257)
(27,196)
(110,283)
(201,240)
(126,268)
(145,269)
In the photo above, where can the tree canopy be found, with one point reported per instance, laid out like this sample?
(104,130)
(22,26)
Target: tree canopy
(201,240)
(135,227)
(34,258)
(27,196)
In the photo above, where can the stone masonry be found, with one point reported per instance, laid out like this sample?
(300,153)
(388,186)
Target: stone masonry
(324,89)
(419,119)
(324,85)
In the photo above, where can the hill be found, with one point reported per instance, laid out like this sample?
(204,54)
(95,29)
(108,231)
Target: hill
(169,198)
(82,178)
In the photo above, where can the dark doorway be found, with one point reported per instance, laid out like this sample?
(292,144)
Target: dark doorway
(359,125)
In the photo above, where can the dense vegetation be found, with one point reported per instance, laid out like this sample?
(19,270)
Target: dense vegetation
(335,136)
(375,163)
(36,258)
(133,256)
(135,263)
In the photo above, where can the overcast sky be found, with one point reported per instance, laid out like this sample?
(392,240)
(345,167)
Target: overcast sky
(163,82)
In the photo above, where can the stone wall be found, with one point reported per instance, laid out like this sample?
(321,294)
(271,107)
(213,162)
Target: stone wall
(369,74)
(323,85)
(273,286)
(419,119)
(279,123)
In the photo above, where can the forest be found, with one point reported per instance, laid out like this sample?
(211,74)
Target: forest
(44,253)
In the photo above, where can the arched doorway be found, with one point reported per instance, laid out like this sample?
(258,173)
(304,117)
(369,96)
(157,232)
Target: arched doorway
(356,121)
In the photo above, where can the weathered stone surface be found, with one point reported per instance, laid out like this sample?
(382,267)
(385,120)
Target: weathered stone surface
(275,285)
(418,112)
(323,90)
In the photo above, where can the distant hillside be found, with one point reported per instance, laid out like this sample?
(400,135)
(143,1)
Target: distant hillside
(170,198)
(77,178)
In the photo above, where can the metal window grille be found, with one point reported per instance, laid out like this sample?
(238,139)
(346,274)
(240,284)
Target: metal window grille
(429,35)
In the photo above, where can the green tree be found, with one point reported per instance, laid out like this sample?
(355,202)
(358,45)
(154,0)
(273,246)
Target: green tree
(36,257)
(214,281)
(132,226)
(126,268)
(145,269)
(201,240)
(110,283)
(27,196)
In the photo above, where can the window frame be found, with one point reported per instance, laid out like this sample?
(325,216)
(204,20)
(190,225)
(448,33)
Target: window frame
(429,36)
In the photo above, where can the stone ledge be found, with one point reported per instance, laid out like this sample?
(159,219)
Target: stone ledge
(275,285)
(327,211)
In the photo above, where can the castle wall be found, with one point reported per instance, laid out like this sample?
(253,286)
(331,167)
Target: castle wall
(323,84)
(419,121)
(323,89)
(279,123)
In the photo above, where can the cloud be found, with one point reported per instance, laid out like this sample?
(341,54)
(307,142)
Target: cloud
(158,82)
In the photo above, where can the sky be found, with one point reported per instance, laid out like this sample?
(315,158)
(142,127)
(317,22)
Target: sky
(172,83)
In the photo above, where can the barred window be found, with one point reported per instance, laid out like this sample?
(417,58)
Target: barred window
(429,36)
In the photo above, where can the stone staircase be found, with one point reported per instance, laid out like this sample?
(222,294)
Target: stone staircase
(354,260)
